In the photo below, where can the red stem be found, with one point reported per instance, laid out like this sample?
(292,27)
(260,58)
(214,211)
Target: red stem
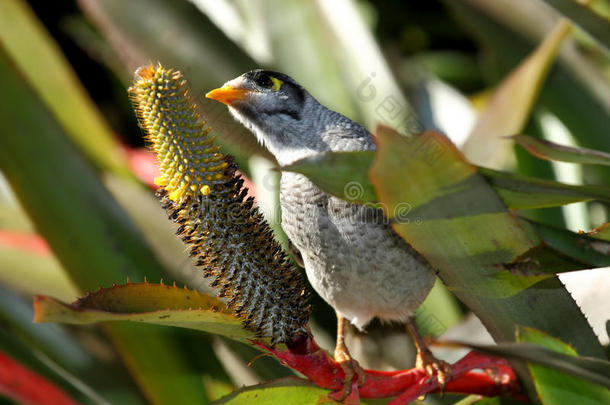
(406,385)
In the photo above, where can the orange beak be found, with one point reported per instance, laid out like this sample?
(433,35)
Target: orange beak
(227,94)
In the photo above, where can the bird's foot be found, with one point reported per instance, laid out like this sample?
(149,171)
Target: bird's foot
(351,369)
(426,361)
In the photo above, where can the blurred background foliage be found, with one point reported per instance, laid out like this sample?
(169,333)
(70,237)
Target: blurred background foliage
(76,212)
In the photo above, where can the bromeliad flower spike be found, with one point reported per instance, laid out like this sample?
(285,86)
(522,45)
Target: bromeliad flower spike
(202,193)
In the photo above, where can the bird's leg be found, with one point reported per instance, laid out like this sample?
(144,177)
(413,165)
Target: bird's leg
(349,365)
(426,361)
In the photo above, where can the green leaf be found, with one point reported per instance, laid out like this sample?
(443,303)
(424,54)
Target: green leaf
(587,19)
(46,70)
(289,390)
(479,400)
(466,248)
(557,388)
(522,192)
(342,174)
(13,218)
(512,101)
(551,151)
(215,388)
(560,251)
(160,367)
(89,233)
(19,266)
(579,246)
(439,311)
(528,165)
(148,303)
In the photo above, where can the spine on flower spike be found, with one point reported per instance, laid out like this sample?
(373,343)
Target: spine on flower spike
(202,193)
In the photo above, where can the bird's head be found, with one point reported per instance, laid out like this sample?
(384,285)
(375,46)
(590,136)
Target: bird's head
(280,112)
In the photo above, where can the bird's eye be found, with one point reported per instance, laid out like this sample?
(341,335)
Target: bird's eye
(269,82)
(263,81)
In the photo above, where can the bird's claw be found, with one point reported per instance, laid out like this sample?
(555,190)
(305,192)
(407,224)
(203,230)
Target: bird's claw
(426,361)
(351,369)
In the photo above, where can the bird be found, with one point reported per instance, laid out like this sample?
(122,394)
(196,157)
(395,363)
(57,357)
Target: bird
(352,257)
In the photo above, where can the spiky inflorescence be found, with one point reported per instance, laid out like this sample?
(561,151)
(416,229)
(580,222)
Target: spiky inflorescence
(203,194)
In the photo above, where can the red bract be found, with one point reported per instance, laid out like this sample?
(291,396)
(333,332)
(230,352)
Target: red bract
(30,242)
(495,378)
(27,387)
(143,164)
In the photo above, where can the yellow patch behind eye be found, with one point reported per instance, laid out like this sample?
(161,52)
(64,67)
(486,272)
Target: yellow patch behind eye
(277,83)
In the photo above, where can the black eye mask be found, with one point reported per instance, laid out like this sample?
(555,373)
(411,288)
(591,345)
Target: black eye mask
(263,80)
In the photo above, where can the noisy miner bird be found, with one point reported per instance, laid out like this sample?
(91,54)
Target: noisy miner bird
(351,255)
